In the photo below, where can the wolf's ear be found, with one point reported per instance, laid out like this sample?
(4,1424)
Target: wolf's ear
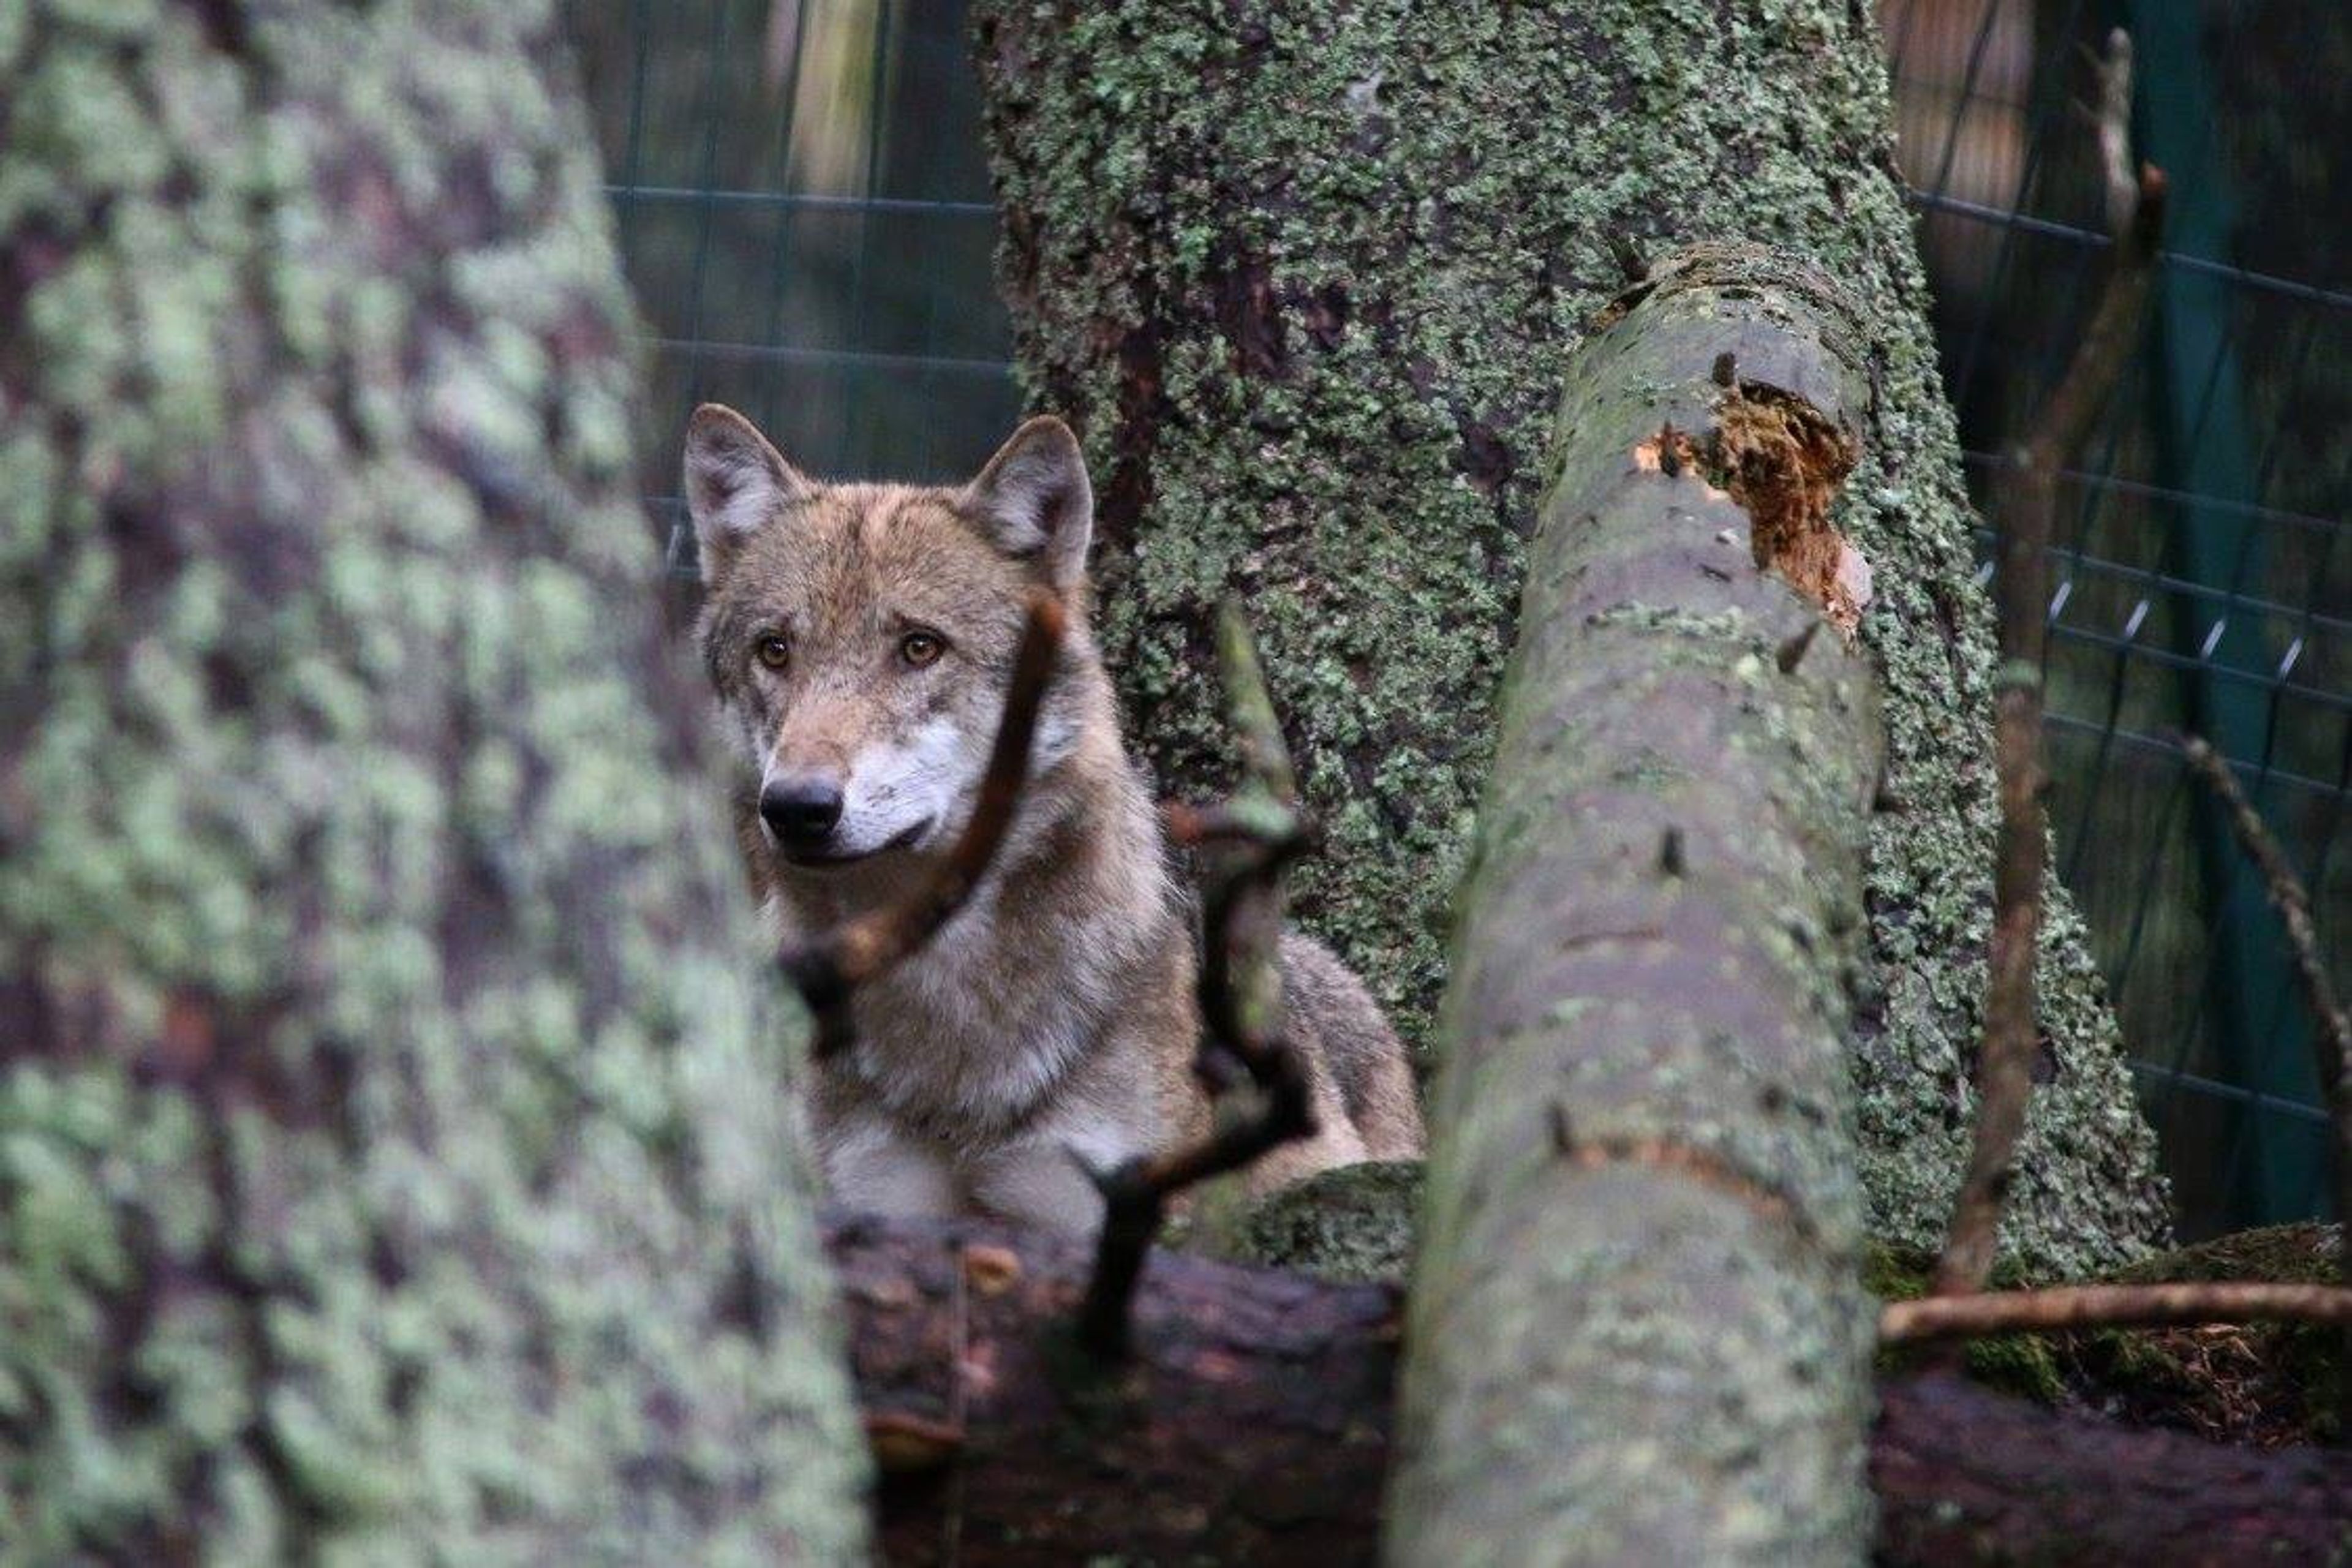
(1035,500)
(734,483)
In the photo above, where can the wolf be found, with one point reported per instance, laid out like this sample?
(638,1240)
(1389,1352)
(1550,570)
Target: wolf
(859,639)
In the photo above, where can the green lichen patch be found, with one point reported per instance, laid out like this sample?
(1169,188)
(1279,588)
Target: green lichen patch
(1354,1223)
(2029,1366)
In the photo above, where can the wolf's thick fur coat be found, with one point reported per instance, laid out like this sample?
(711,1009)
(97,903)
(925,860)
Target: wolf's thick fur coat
(860,638)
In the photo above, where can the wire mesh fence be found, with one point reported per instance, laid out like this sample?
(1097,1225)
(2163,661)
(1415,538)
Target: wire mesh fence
(2204,580)
(803,204)
(804,212)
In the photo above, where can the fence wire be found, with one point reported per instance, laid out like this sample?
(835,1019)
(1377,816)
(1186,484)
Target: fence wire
(2204,581)
(804,212)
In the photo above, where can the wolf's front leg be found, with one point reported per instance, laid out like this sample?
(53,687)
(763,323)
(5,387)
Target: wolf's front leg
(1039,1181)
(870,1163)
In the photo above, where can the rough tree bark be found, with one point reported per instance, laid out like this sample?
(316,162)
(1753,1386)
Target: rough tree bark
(1254,1426)
(1638,1331)
(393,1156)
(1307,273)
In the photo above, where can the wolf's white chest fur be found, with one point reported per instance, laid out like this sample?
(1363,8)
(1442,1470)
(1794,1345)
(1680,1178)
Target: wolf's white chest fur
(964,1085)
(969,1034)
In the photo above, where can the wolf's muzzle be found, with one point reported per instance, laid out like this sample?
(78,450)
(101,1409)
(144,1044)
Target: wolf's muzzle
(801,812)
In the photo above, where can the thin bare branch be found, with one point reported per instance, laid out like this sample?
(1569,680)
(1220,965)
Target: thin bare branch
(830,966)
(1238,822)
(2114,120)
(1252,839)
(2005,1062)
(2109,1307)
(2332,1040)
(2331,1034)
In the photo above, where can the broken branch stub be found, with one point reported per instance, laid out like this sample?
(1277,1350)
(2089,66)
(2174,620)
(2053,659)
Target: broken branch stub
(1776,453)
(1637,1330)
(1252,840)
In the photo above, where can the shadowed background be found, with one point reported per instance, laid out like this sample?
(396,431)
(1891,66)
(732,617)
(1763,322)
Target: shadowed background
(804,208)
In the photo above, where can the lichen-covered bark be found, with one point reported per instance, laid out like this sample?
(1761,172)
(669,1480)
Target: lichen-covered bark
(1306,273)
(1638,1332)
(394,1153)
(1352,1222)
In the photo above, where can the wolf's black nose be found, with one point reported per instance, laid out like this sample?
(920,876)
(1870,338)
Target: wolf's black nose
(801,810)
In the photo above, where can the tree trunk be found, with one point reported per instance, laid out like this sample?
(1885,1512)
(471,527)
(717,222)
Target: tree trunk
(394,1155)
(1309,275)
(1254,1424)
(1639,1332)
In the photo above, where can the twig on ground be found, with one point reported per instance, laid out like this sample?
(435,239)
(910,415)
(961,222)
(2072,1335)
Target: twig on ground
(830,966)
(2005,1062)
(2109,1306)
(2331,1034)
(1252,841)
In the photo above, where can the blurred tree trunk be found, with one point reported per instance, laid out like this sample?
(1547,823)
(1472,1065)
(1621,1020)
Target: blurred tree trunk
(1307,274)
(393,1150)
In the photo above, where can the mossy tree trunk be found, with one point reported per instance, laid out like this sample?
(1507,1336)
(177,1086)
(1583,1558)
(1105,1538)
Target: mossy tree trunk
(394,1156)
(1306,273)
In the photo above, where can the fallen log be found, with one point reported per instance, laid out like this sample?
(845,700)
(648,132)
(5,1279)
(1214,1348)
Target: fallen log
(1966,1476)
(1252,1425)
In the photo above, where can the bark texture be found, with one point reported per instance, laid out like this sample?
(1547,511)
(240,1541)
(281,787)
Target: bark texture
(1968,1477)
(394,1160)
(1250,1426)
(1307,275)
(1254,1424)
(1638,1331)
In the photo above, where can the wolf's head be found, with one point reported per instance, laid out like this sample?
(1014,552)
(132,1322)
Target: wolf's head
(861,636)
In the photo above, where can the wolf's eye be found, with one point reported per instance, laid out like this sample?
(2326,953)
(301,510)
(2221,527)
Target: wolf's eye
(919,649)
(772,651)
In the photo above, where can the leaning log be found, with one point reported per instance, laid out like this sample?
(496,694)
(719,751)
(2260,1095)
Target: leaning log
(1637,1332)
(1307,276)
(1253,1423)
